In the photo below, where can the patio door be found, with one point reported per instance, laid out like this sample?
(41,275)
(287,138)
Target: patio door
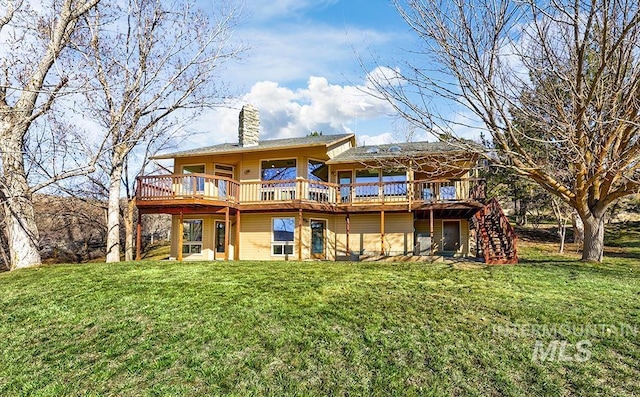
(344,180)
(223,185)
(318,238)
(219,240)
(450,235)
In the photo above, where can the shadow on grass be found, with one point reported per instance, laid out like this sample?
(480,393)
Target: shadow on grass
(610,267)
(622,255)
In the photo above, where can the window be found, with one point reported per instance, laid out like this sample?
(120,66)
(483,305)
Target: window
(395,183)
(192,236)
(278,170)
(193,184)
(282,236)
(447,191)
(278,178)
(317,171)
(370,179)
(317,174)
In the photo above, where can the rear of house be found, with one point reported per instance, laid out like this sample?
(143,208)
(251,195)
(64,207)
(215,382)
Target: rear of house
(318,197)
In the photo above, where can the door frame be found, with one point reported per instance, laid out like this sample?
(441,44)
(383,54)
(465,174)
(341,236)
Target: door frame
(322,256)
(459,234)
(349,198)
(216,254)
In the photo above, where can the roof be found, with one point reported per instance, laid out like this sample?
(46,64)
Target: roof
(226,148)
(394,150)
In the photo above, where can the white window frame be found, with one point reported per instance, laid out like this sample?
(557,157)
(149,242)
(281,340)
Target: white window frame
(351,190)
(190,243)
(297,160)
(283,244)
(201,181)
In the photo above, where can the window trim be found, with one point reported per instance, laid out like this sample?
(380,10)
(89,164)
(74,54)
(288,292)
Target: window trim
(310,159)
(296,159)
(326,235)
(283,243)
(193,243)
(350,191)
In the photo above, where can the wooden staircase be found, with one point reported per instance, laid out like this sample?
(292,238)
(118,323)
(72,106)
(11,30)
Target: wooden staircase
(496,237)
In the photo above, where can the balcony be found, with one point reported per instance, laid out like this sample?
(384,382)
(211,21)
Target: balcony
(203,189)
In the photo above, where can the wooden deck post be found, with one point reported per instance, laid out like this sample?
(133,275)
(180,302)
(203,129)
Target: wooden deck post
(236,250)
(300,234)
(226,233)
(348,229)
(382,233)
(431,231)
(180,236)
(139,235)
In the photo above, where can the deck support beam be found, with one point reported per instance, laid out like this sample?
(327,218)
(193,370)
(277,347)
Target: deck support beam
(348,230)
(300,234)
(139,235)
(180,236)
(431,231)
(226,234)
(382,233)
(236,248)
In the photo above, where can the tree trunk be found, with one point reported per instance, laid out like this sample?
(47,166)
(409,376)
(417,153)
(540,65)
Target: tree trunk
(562,232)
(113,214)
(129,228)
(578,230)
(593,238)
(19,215)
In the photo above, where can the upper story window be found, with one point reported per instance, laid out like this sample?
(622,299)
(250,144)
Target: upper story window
(278,170)
(193,184)
(367,182)
(317,171)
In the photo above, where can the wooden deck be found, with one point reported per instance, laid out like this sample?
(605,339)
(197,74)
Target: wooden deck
(202,193)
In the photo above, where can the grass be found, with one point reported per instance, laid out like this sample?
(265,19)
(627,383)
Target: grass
(317,328)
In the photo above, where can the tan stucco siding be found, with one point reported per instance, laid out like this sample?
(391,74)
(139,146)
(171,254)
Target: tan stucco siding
(422,226)
(255,237)
(437,235)
(464,240)
(398,233)
(339,148)
(365,238)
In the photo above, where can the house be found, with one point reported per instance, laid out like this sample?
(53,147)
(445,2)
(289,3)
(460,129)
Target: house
(324,197)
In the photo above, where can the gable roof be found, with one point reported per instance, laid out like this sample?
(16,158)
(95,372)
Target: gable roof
(226,148)
(404,149)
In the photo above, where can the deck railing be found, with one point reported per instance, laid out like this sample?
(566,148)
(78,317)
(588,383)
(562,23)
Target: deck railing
(169,187)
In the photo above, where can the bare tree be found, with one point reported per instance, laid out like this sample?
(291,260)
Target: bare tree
(570,69)
(32,42)
(157,66)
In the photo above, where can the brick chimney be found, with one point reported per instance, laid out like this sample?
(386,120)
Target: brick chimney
(249,126)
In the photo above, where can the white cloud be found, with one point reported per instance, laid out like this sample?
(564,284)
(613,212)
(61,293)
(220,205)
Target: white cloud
(289,53)
(372,140)
(279,9)
(284,112)
(383,76)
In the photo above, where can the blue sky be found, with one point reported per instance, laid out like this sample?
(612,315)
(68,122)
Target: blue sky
(302,70)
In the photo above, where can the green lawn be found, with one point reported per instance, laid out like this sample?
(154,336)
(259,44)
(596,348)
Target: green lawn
(290,328)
